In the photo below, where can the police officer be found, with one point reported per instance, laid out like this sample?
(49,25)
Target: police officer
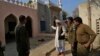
(84,36)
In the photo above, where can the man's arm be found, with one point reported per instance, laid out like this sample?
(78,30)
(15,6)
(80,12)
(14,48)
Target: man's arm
(53,27)
(64,30)
(91,33)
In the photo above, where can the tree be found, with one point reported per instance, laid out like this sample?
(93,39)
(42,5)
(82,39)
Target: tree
(64,15)
(30,2)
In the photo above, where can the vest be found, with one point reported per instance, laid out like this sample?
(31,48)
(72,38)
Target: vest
(60,36)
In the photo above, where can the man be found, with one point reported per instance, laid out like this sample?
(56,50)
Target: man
(59,38)
(71,35)
(84,36)
(1,49)
(22,39)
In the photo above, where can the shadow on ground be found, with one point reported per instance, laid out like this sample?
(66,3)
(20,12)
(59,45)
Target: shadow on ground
(68,52)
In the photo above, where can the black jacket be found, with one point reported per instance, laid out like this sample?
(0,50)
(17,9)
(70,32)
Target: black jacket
(22,39)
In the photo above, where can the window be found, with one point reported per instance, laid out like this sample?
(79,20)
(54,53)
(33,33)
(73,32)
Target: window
(42,26)
(98,31)
(97,22)
(98,26)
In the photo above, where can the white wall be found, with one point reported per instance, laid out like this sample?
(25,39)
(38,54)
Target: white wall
(83,13)
(95,14)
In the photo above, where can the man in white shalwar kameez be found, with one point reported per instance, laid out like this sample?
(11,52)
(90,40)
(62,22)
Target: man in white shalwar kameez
(59,37)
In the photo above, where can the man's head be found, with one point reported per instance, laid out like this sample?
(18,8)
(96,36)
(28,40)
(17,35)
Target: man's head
(58,22)
(78,20)
(22,19)
(70,20)
(55,18)
(65,21)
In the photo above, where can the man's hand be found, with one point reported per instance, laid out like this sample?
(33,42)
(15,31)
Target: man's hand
(86,45)
(62,34)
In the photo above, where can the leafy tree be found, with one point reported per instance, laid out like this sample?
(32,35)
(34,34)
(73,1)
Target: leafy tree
(64,15)
(29,2)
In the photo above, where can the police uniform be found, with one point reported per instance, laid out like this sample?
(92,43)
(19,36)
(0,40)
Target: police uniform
(84,35)
(72,38)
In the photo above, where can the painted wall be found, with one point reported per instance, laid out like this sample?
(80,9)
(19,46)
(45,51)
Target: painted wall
(95,14)
(10,8)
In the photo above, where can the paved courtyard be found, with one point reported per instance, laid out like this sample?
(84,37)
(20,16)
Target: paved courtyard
(95,52)
(42,48)
(11,49)
(34,44)
(67,52)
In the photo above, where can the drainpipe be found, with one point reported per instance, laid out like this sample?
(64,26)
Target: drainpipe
(89,12)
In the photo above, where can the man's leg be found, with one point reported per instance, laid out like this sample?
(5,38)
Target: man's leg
(81,50)
(74,49)
(62,47)
(58,51)
(24,53)
(20,53)
(1,53)
(27,53)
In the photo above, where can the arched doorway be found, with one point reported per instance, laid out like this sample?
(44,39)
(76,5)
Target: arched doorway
(10,23)
(29,26)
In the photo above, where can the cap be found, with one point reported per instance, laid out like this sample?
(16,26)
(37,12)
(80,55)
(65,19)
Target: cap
(58,21)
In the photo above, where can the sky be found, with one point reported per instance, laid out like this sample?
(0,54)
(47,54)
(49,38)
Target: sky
(68,5)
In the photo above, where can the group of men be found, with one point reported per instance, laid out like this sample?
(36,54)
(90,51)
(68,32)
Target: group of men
(79,35)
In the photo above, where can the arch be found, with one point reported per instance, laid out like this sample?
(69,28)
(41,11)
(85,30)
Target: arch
(10,23)
(29,25)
